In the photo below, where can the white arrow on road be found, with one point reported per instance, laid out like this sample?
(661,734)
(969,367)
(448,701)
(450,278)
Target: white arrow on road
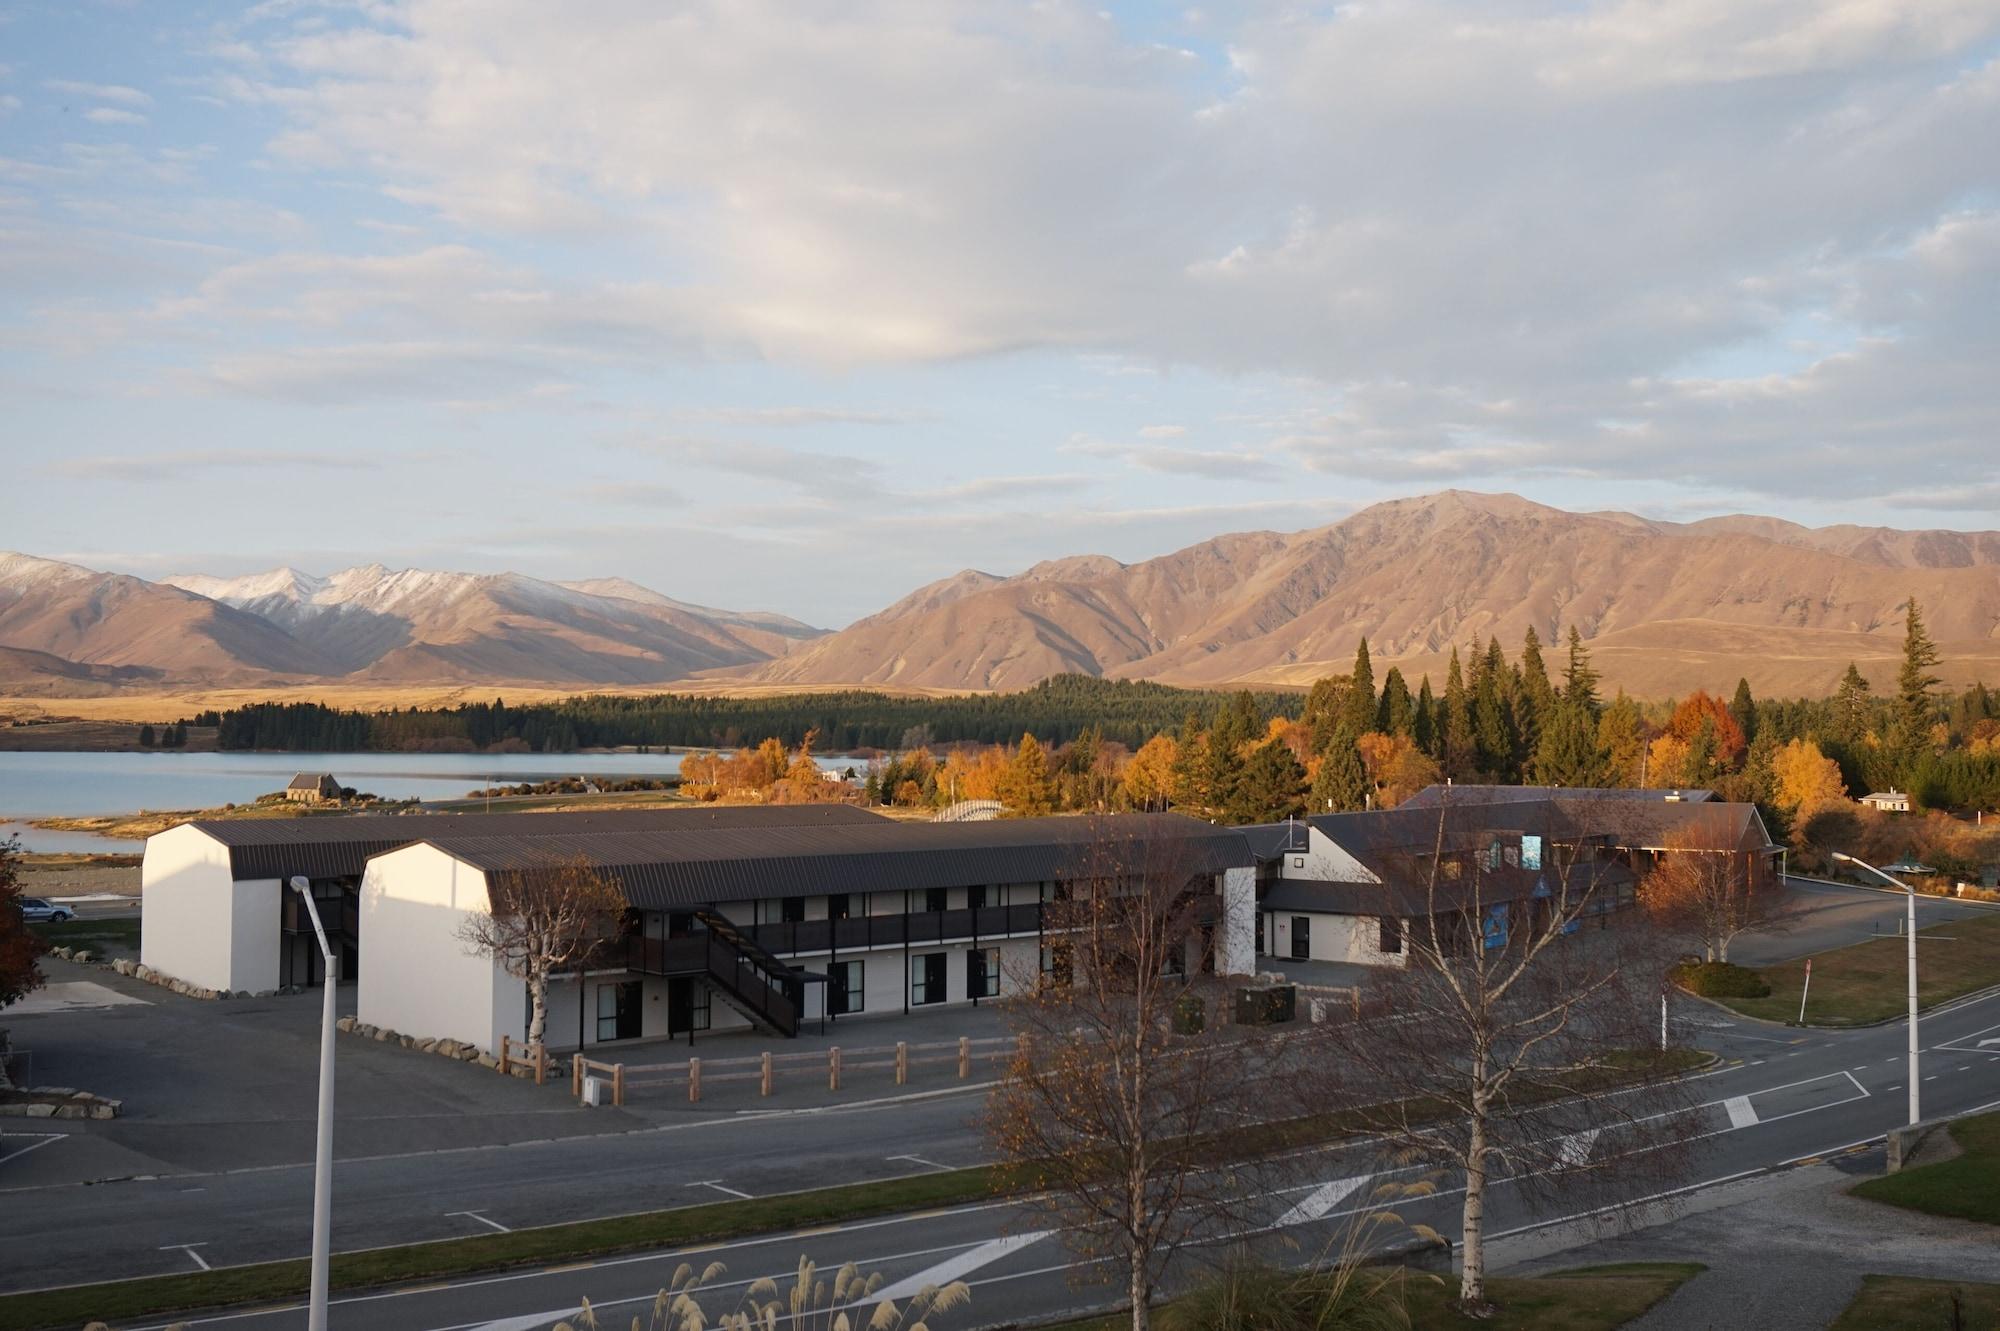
(1575,1148)
(1321,1200)
(952,1268)
(1984,1043)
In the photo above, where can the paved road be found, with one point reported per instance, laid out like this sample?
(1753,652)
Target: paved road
(1783,1098)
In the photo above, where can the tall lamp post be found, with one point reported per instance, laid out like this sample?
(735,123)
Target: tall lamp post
(323,1157)
(1910,934)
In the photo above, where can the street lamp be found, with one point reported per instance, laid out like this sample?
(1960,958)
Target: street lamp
(1910,933)
(323,1156)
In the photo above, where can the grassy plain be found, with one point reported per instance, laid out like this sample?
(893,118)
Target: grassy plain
(1868,981)
(1905,1303)
(1966,1187)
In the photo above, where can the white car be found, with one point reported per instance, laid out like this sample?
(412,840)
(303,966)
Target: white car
(37,911)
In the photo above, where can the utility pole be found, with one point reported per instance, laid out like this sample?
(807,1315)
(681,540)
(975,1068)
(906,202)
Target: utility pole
(1910,942)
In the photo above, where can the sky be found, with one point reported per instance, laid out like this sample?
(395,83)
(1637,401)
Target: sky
(796,306)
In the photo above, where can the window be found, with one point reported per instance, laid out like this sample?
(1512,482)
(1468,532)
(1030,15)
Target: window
(1261,948)
(845,991)
(839,906)
(982,973)
(1493,854)
(934,898)
(793,909)
(1302,937)
(618,1011)
(927,979)
(1531,852)
(1298,861)
(1057,966)
(1390,939)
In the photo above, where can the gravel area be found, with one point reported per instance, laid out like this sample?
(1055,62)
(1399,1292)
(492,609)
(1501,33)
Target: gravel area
(38,882)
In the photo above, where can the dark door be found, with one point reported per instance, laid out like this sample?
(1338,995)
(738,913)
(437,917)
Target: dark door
(618,1011)
(1302,938)
(927,979)
(687,1005)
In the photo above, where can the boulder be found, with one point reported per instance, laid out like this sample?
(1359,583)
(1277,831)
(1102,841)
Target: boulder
(146,973)
(271,993)
(243,993)
(60,950)
(488,1061)
(41,1111)
(407,1041)
(104,1109)
(344,1024)
(83,956)
(426,1045)
(72,1110)
(384,1035)
(467,1054)
(123,966)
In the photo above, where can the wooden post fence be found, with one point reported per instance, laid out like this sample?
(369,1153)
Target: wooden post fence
(694,1080)
(618,1085)
(765,1087)
(541,1065)
(576,1076)
(964,1057)
(505,1049)
(833,1068)
(902,1061)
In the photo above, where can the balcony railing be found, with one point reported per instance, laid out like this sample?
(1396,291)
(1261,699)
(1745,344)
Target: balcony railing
(916,929)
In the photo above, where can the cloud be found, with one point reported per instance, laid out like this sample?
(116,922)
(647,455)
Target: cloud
(102,92)
(800,416)
(111,115)
(1217,464)
(1162,431)
(188,464)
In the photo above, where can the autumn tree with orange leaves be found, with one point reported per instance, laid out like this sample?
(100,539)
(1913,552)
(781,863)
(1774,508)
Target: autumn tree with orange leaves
(1710,894)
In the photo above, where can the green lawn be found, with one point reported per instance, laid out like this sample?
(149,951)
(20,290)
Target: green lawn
(1967,1188)
(1868,981)
(1904,1303)
(1591,1298)
(116,935)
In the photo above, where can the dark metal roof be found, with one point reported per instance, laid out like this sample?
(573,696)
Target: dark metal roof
(1268,841)
(1408,899)
(1430,797)
(333,846)
(664,870)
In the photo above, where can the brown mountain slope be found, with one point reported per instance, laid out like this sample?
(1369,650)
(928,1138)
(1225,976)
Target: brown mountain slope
(1673,606)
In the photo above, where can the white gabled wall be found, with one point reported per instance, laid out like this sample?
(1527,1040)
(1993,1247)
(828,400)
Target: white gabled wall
(197,924)
(418,977)
(1236,947)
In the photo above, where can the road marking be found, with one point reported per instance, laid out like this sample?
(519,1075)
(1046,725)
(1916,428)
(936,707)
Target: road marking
(1741,1115)
(711,1183)
(1984,1043)
(1961,1068)
(46,1139)
(919,1160)
(1320,1200)
(529,1322)
(474,1215)
(1932,1077)
(952,1268)
(1575,1148)
(189,1249)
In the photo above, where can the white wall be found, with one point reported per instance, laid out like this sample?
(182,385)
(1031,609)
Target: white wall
(1348,938)
(1235,948)
(198,925)
(1324,861)
(417,976)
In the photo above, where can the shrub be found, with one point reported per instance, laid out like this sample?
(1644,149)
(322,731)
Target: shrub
(1720,979)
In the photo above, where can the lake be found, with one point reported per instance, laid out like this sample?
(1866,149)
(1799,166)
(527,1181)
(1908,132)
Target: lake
(75,785)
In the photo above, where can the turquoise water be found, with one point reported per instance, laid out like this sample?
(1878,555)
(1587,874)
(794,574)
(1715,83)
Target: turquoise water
(44,785)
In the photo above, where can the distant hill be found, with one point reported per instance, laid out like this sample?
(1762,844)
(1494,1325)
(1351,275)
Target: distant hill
(1667,607)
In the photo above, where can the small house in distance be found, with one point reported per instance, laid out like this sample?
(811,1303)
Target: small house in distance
(1891,800)
(312,788)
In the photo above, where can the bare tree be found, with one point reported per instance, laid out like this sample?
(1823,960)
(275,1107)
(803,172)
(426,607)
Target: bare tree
(1519,1041)
(1711,893)
(540,920)
(1125,1076)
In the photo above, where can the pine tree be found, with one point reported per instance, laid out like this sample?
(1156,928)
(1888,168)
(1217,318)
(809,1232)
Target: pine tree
(1621,732)
(1850,708)
(1341,784)
(1326,707)
(1361,701)
(1744,708)
(1396,714)
(1424,721)
(1571,752)
(1458,749)
(1536,701)
(146,738)
(1027,786)
(1272,786)
(1915,705)
(1579,679)
(1492,721)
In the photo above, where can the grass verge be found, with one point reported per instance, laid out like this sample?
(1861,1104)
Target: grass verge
(1905,1303)
(709,1223)
(1867,982)
(1590,1298)
(94,934)
(1965,1188)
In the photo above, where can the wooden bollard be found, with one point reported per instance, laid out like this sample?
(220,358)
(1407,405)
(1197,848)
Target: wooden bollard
(902,1061)
(964,1057)
(576,1076)
(506,1048)
(764,1087)
(694,1080)
(833,1068)
(618,1085)
(541,1065)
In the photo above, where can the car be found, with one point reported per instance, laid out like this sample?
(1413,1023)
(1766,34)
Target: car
(37,911)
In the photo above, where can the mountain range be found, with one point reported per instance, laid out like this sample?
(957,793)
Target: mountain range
(1665,607)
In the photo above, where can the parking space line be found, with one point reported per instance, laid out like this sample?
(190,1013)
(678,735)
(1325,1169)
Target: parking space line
(712,1183)
(189,1249)
(46,1139)
(919,1160)
(474,1215)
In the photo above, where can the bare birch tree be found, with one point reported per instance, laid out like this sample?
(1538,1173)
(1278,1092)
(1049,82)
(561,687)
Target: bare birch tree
(1519,1043)
(1125,1076)
(1710,893)
(541,920)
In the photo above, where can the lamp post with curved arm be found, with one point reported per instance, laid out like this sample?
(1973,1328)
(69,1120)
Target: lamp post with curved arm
(323,1156)
(1910,935)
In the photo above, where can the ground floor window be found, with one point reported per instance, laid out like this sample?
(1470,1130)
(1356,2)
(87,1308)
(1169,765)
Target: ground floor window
(1390,939)
(982,973)
(618,1011)
(927,974)
(844,988)
(1057,966)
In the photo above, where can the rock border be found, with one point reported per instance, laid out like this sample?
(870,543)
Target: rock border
(458,1050)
